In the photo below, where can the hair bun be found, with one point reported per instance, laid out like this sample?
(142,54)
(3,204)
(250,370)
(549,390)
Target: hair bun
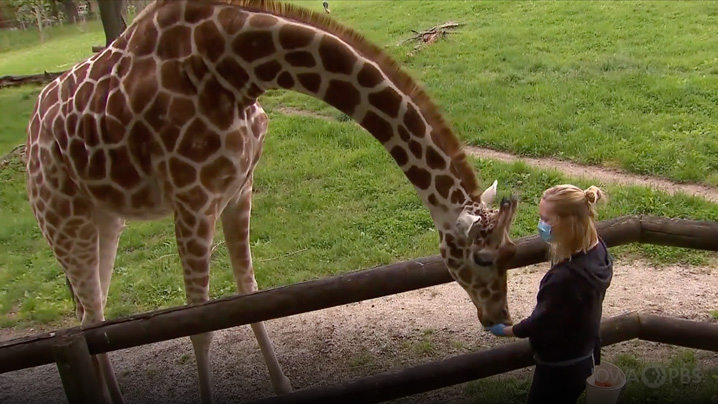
(593,194)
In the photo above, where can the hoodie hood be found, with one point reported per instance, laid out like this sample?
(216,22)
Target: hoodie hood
(595,266)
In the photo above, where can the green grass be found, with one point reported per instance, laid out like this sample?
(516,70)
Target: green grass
(352,211)
(631,85)
(699,385)
(21,52)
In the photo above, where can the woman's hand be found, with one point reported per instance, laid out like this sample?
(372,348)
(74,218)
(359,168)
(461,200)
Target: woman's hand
(500,330)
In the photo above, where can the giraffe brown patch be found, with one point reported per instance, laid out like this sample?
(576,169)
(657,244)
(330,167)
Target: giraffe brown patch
(285,80)
(434,159)
(217,175)
(262,21)
(413,122)
(403,134)
(496,297)
(453,263)
(268,71)
(415,148)
(97,168)
(122,171)
(195,12)
(204,228)
(141,84)
(183,174)
(83,95)
(300,59)
(369,76)
(209,40)
(63,207)
(310,81)
(419,177)
(111,130)
(117,107)
(45,193)
(189,220)
(234,141)
(52,218)
(101,67)
(142,145)
(343,96)
(52,95)
(196,248)
(254,92)
(377,126)
(180,111)
(58,126)
(68,187)
(399,155)
(443,185)
(198,142)
(169,136)
(231,71)
(465,275)
(336,57)
(68,87)
(457,197)
(156,114)
(253,45)
(195,198)
(484,293)
(78,155)
(169,14)
(231,20)
(292,36)
(217,104)
(99,98)
(433,200)
(142,198)
(144,40)
(107,193)
(387,101)
(175,80)
(175,43)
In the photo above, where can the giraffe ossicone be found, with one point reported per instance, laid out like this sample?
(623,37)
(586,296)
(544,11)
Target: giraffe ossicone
(165,122)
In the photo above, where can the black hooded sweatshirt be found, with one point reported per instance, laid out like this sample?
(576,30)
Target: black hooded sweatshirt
(565,323)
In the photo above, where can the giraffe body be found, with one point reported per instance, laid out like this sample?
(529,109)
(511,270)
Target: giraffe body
(165,121)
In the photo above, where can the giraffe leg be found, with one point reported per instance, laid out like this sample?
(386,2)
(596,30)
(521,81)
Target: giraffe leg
(194,242)
(75,243)
(235,225)
(109,230)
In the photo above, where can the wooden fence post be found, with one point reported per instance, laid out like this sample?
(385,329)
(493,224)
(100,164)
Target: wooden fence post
(77,371)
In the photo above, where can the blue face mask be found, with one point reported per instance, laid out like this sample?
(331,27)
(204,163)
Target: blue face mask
(544,230)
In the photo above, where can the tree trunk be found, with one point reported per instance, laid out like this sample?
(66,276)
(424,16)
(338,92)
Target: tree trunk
(39,15)
(112,20)
(71,13)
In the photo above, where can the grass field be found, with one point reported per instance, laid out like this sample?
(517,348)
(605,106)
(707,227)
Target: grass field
(356,209)
(630,85)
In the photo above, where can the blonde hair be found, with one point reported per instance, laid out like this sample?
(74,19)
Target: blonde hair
(574,214)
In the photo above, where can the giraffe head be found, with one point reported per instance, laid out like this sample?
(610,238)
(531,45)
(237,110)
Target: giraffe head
(478,252)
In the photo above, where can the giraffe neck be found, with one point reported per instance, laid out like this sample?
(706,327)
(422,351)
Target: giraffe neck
(233,53)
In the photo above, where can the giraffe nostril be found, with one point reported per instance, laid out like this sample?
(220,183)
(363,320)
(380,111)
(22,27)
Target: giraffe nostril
(483,259)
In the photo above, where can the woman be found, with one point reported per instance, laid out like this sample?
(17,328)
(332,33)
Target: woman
(563,329)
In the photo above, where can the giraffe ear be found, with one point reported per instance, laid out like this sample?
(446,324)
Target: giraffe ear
(487,198)
(468,224)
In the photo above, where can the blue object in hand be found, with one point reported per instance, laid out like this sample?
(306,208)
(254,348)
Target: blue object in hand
(497,329)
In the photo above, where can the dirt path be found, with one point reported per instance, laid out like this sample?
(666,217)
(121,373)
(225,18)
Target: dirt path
(567,167)
(384,334)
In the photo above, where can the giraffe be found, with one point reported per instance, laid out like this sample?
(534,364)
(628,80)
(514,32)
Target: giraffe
(165,122)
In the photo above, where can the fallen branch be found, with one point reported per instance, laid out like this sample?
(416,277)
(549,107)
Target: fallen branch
(432,34)
(15,81)
(18,151)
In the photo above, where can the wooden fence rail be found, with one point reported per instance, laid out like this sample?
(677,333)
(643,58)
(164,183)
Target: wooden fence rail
(494,361)
(333,291)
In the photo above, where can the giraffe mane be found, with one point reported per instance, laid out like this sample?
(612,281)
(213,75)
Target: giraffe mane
(443,134)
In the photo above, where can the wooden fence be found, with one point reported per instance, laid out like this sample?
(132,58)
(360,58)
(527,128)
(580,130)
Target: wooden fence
(70,348)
